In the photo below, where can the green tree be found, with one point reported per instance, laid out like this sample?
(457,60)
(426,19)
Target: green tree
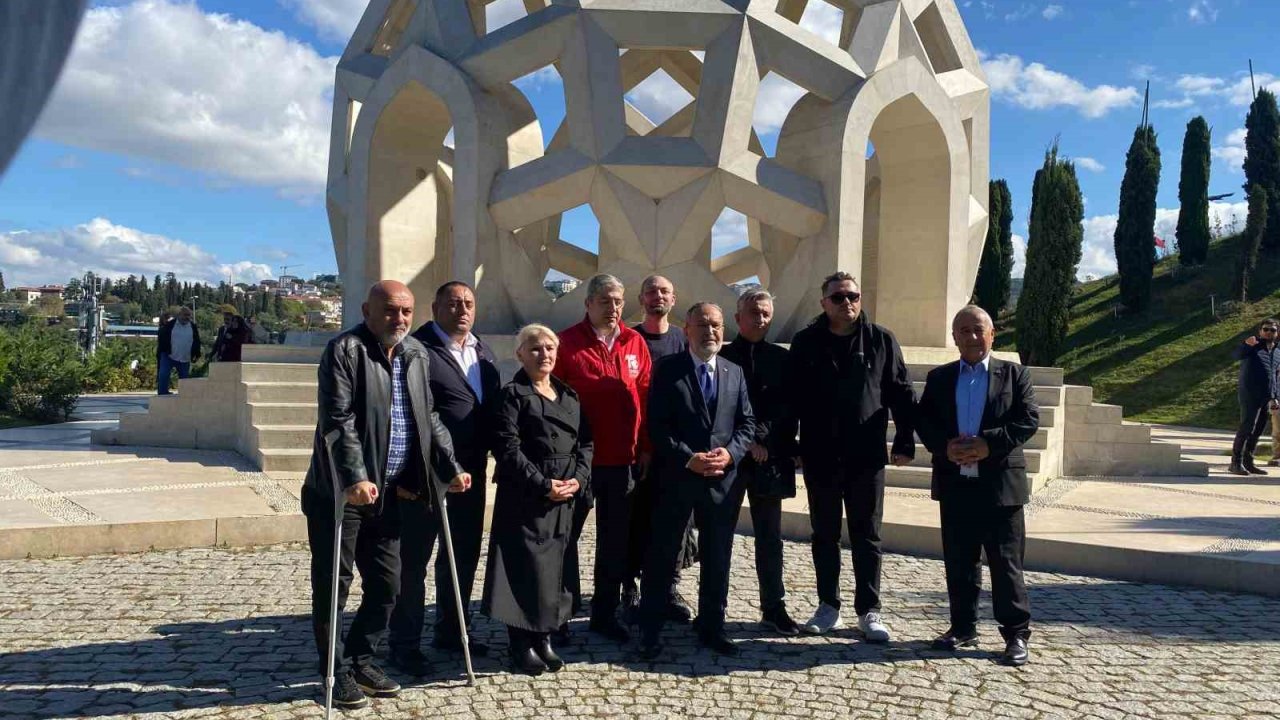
(1262,159)
(1135,227)
(1193,194)
(1254,230)
(992,287)
(1053,252)
(1,282)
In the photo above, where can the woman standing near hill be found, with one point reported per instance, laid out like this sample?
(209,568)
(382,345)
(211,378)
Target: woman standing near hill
(1259,393)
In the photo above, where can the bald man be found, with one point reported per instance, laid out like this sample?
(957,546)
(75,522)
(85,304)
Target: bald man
(974,417)
(377,430)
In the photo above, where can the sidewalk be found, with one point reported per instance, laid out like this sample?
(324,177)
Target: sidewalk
(59,495)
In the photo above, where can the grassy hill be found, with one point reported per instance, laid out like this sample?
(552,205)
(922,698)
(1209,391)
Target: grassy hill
(1171,364)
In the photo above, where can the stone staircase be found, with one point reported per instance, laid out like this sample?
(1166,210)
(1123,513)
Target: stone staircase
(265,409)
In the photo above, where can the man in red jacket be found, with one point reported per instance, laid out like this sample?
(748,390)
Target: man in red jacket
(607,364)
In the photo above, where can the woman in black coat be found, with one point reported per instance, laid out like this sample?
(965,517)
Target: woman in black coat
(544,462)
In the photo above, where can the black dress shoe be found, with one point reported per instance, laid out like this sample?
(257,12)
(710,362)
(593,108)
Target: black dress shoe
(952,641)
(1236,468)
(561,637)
(1252,468)
(650,649)
(780,622)
(411,662)
(548,656)
(609,627)
(1015,652)
(719,643)
(525,660)
(678,609)
(478,649)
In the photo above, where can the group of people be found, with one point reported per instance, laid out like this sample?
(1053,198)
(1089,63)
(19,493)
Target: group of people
(661,430)
(178,343)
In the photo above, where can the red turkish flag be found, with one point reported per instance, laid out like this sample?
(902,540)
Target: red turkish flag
(1159,241)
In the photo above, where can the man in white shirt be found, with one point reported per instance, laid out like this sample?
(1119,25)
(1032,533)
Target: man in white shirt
(179,346)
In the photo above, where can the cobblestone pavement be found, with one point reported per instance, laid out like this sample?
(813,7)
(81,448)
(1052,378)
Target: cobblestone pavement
(225,633)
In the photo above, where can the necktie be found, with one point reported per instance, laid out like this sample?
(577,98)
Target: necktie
(708,390)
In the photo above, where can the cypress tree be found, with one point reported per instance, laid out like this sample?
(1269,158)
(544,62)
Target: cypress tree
(1193,194)
(1135,227)
(1262,159)
(986,288)
(1254,230)
(1006,242)
(1053,252)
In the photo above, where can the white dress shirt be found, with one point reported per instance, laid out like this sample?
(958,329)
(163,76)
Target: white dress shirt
(467,357)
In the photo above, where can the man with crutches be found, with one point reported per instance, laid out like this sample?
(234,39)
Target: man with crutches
(375,426)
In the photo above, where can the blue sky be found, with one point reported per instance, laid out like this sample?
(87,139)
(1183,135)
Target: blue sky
(192,135)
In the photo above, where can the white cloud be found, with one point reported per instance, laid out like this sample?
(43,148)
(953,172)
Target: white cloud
(43,256)
(729,233)
(1051,12)
(503,12)
(1202,11)
(1185,102)
(1142,71)
(1195,85)
(1019,256)
(161,80)
(776,98)
(823,20)
(1036,87)
(1232,152)
(658,97)
(335,19)
(1240,92)
(1090,164)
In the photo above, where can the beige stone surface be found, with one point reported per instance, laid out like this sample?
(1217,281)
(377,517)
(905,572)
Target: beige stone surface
(21,514)
(176,504)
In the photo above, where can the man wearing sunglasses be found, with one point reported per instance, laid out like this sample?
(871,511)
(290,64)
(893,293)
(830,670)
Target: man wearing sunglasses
(846,376)
(1258,392)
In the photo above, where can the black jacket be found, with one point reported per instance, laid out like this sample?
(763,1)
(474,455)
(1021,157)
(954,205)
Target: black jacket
(1258,368)
(681,425)
(764,365)
(353,431)
(538,440)
(1009,419)
(843,404)
(165,340)
(469,419)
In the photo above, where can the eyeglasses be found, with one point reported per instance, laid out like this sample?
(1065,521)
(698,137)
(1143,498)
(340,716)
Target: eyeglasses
(840,298)
(1268,329)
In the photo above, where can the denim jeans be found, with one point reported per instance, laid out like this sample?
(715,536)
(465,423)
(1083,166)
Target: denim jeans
(167,366)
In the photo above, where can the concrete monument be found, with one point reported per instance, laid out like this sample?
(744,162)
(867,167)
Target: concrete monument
(880,168)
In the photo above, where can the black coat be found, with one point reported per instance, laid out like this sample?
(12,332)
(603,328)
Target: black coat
(681,425)
(538,440)
(468,418)
(353,430)
(1009,419)
(1258,368)
(843,404)
(164,341)
(764,365)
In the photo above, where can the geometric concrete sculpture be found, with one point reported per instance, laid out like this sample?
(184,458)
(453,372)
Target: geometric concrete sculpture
(908,219)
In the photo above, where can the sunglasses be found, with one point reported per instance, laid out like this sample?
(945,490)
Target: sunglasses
(840,298)
(1268,329)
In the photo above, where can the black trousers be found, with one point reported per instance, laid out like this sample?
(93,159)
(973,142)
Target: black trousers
(643,499)
(860,493)
(717,518)
(420,530)
(370,542)
(612,486)
(572,568)
(969,528)
(1254,413)
(766,524)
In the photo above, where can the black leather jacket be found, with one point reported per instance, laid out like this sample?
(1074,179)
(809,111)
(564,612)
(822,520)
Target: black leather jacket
(353,430)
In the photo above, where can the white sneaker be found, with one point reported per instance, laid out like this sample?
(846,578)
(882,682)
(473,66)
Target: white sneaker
(824,620)
(872,628)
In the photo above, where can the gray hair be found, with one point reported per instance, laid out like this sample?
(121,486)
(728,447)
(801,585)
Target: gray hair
(603,283)
(535,331)
(700,306)
(752,296)
(976,311)
(838,276)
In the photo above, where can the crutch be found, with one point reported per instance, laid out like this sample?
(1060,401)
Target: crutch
(443,504)
(339,505)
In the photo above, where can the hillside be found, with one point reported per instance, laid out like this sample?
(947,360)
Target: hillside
(1173,363)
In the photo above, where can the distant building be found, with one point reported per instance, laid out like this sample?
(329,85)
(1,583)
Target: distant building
(739,288)
(560,287)
(26,295)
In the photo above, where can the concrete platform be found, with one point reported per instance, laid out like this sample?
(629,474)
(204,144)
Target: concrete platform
(60,495)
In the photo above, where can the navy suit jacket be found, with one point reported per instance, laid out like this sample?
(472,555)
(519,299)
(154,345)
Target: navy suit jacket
(469,420)
(681,425)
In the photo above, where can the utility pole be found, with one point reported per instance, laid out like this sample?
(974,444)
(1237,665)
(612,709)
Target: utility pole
(1252,87)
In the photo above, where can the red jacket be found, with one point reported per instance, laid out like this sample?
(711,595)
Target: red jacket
(613,387)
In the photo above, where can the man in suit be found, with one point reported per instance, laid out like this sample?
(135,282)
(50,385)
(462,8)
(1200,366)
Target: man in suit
(701,427)
(464,381)
(376,429)
(769,472)
(974,417)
